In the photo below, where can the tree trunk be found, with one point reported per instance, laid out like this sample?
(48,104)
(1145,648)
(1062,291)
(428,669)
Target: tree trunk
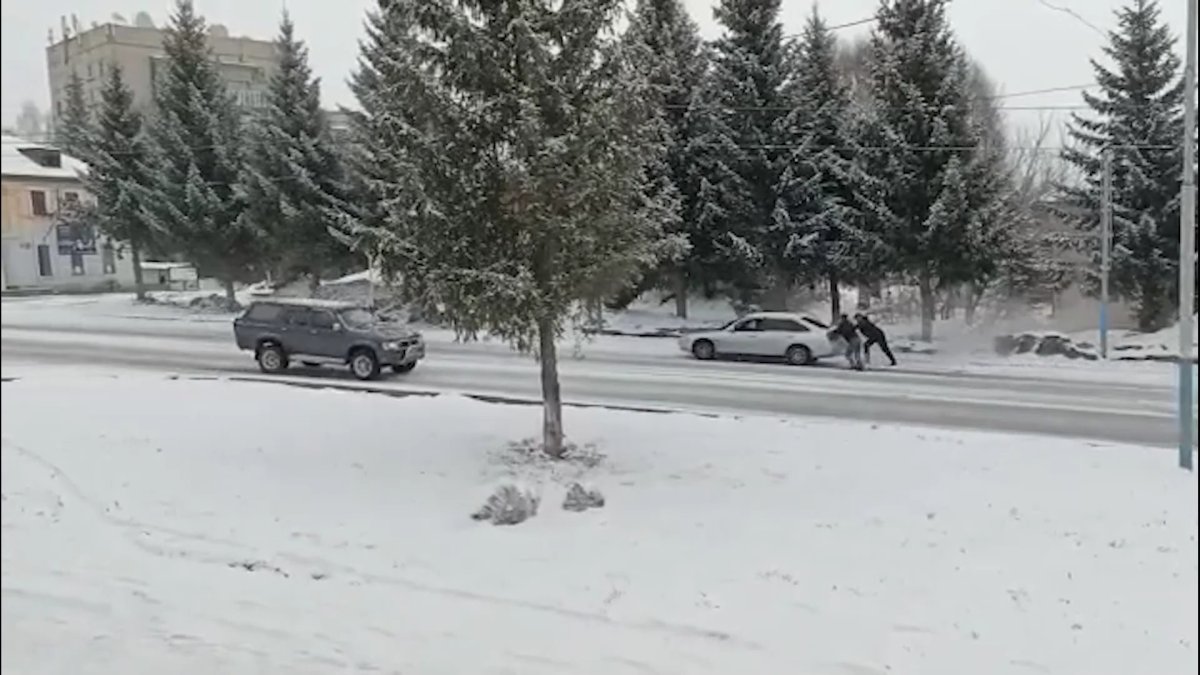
(864,297)
(552,430)
(230,296)
(835,298)
(928,306)
(972,302)
(314,284)
(776,297)
(681,295)
(139,283)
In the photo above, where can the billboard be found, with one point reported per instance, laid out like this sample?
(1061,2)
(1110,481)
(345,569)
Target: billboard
(76,238)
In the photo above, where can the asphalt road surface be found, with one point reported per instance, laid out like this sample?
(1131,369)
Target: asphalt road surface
(641,378)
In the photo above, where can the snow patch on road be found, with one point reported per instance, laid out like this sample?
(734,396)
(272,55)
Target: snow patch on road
(191,526)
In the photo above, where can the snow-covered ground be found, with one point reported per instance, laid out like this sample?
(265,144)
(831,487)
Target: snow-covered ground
(157,525)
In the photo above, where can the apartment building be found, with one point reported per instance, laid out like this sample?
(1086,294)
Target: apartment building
(245,64)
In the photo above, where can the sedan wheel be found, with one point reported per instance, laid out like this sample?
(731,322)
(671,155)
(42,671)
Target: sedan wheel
(704,350)
(798,355)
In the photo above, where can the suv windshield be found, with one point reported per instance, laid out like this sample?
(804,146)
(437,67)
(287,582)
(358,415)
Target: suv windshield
(358,318)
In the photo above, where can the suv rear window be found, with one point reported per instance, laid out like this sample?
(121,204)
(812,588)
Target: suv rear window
(264,312)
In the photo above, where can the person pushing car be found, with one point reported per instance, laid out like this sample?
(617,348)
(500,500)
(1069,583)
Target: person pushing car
(846,333)
(875,336)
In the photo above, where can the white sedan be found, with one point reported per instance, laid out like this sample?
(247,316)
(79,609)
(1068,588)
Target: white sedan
(797,339)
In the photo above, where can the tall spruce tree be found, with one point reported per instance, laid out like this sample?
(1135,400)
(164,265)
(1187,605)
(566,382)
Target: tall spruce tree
(1137,113)
(676,61)
(376,178)
(192,198)
(117,155)
(514,137)
(741,146)
(929,157)
(998,223)
(293,175)
(817,232)
(73,131)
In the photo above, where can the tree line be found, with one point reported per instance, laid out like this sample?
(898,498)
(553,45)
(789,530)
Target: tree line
(515,164)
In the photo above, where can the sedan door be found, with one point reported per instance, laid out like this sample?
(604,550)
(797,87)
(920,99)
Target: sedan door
(781,333)
(743,338)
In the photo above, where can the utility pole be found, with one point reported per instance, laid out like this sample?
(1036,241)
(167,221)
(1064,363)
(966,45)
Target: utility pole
(1106,209)
(1187,244)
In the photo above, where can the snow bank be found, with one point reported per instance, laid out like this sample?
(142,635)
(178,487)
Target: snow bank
(203,526)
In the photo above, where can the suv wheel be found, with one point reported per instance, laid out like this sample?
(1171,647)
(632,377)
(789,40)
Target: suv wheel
(364,365)
(404,368)
(271,359)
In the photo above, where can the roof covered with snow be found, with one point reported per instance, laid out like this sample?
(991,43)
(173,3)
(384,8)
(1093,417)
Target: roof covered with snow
(21,159)
(156,265)
(309,302)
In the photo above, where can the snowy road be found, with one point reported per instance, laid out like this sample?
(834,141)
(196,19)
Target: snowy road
(634,371)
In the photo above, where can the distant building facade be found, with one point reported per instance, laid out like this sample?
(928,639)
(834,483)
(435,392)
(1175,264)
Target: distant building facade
(244,64)
(40,247)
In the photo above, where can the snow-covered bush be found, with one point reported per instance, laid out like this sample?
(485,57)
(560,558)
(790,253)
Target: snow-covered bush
(508,505)
(581,499)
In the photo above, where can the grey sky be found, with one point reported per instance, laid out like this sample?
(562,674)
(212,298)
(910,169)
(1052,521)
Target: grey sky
(1024,44)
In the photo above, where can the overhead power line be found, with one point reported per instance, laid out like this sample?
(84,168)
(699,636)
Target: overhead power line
(851,24)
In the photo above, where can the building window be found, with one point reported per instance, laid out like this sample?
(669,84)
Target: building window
(38,200)
(43,253)
(108,258)
(77,263)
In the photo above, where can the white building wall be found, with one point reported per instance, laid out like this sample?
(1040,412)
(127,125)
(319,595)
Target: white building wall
(24,231)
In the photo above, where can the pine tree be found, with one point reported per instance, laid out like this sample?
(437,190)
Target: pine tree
(117,159)
(1137,113)
(376,177)
(998,221)
(293,176)
(676,62)
(817,232)
(74,129)
(740,157)
(192,199)
(929,155)
(516,172)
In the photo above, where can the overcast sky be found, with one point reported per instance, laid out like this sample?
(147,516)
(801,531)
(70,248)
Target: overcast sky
(1024,44)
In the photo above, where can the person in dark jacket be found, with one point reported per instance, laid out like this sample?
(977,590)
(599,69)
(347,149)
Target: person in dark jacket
(847,333)
(875,336)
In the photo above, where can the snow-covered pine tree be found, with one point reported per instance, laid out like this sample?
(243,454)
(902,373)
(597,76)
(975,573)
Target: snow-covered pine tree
(293,175)
(995,220)
(817,232)
(931,146)
(1137,112)
(192,199)
(676,61)
(740,158)
(117,158)
(515,136)
(73,130)
(376,177)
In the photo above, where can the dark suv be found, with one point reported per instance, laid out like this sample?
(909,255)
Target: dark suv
(318,331)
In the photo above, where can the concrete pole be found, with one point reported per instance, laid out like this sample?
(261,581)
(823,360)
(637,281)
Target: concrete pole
(1105,250)
(1187,244)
